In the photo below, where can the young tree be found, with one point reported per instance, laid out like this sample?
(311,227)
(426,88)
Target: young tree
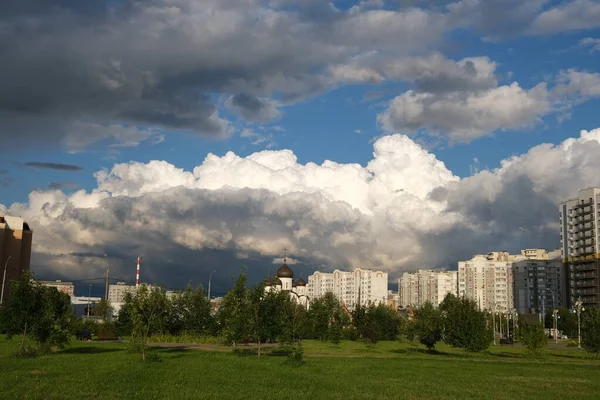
(39,312)
(149,310)
(590,330)
(234,314)
(327,318)
(267,311)
(191,313)
(567,322)
(532,335)
(464,324)
(428,325)
(103,309)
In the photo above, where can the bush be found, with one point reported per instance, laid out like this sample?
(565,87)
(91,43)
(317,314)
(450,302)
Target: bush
(533,337)
(590,330)
(464,324)
(351,333)
(572,343)
(295,356)
(428,325)
(27,351)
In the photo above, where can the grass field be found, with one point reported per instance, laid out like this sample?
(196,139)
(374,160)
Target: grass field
(347,371)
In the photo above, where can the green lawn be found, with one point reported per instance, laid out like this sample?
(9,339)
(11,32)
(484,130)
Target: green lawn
(348,371)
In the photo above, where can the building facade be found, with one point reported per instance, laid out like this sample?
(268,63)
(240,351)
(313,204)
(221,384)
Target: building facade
(367,285)
(15,251)
(540,281)
(117,293)
(580,248)
(418,288)
(488,280)
(64,287)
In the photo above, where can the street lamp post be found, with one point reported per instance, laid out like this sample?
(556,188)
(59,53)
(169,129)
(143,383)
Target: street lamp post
(209,280)
(555,315)
(578,309)
(4,279)
(494,323)
(500,323)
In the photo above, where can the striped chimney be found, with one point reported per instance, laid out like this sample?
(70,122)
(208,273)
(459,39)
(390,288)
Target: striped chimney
(137,273)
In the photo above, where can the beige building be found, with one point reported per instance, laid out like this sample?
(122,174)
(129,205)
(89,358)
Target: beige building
(418,288)
(64,287)
(488,280)
(368,285)
(15,251)
(580,246)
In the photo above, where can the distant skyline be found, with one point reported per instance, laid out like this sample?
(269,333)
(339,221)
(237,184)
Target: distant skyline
(212,134)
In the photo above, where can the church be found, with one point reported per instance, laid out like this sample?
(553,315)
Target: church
(284,280)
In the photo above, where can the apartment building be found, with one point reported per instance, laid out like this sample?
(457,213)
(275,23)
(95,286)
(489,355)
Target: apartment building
(117,293)
(15,251)
(579,218)
(418,288)
(64,287)
(488,280)
(368,285)
(540,281)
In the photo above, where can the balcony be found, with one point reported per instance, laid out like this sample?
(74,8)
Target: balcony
(585,267)
(586,283)
(586,292)
(585,275)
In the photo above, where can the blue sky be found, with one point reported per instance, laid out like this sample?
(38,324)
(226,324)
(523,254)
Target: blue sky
(470,82)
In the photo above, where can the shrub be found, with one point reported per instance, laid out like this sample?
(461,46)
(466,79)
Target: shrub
(296,356)
(533,337)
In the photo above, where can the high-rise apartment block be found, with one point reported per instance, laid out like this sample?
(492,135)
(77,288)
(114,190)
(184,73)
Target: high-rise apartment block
(540,282)
(415,289)
(488,280)
(580,245)
(15,251)
(370,286)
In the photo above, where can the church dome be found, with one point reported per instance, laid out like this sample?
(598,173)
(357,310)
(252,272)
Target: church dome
(267,282)
(300,282)
(285,271)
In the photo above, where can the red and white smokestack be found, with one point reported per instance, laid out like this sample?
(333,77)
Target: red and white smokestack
(137,273)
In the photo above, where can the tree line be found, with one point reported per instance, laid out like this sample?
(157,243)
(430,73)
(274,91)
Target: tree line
(252,315)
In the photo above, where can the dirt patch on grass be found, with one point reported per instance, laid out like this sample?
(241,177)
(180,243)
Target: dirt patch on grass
(38,372)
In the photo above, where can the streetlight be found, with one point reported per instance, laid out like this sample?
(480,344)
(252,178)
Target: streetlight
(4,279)
(209,280)
(578,309)
(556,317)
(494,322)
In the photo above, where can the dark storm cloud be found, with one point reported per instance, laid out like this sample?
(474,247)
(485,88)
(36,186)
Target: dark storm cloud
(56,166)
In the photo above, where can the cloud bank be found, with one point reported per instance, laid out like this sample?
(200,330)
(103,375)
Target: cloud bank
(123,73)
(403,210)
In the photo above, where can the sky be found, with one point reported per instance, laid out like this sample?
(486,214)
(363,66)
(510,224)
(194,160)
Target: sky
(210,135)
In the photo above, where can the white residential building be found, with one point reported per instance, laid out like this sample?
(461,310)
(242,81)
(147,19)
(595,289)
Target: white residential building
(64,287)
(488,280)
(371,286)
(579,220)
(116,293)
(415,289)
(539,281)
